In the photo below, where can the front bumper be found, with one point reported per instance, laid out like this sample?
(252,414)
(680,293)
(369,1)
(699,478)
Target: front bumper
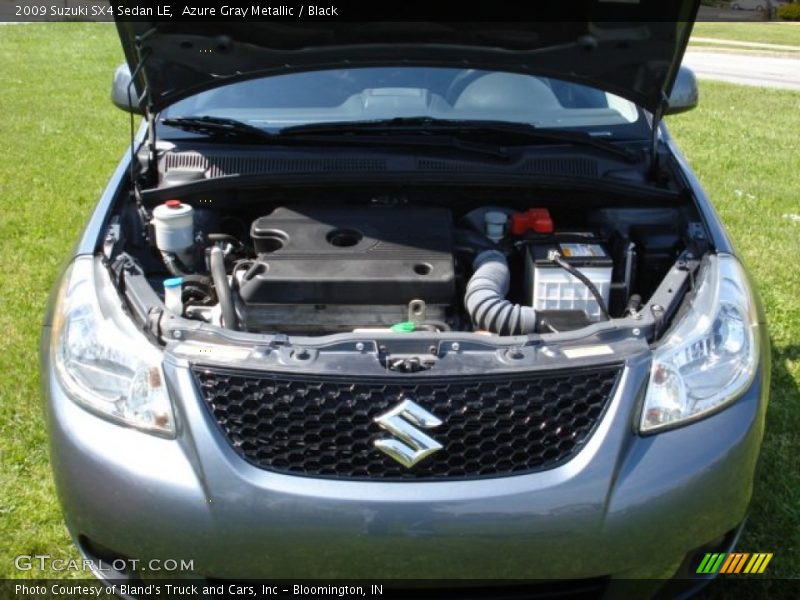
(625,506)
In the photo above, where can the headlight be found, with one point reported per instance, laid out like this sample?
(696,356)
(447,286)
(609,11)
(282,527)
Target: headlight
(104,363)
(711,356)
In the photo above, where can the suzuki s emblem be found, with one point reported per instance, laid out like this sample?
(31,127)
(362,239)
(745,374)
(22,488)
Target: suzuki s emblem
(409,445)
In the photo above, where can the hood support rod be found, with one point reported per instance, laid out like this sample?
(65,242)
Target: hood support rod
(131,88)
(152,169)
(658,115)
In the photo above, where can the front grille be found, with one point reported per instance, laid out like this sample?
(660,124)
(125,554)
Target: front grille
(491,425)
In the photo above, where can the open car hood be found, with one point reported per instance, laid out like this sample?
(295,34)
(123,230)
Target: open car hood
(632,58)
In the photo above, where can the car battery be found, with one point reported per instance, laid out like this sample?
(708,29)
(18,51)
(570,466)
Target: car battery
(553,288)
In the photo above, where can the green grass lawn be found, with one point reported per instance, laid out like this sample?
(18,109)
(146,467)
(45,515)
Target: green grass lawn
(740,142)
(775,32)
(61,138)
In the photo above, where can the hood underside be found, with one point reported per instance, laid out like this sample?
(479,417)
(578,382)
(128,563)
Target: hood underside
(634,59)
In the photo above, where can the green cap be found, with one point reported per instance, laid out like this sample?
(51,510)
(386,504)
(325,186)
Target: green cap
(404,327)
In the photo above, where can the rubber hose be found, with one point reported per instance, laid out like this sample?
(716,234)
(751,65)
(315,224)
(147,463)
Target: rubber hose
(171,262)
(486,301)
(472,241)
(216,260)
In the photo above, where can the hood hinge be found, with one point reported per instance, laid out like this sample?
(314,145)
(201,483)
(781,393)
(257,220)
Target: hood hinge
(658,115)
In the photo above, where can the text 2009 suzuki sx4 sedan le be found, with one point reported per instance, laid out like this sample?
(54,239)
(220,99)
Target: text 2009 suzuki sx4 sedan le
(388,300)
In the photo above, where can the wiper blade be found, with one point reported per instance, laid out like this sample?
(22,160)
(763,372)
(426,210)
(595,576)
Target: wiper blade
(218,127)
(429,125)
(400,131)
(396,124)
(530,132)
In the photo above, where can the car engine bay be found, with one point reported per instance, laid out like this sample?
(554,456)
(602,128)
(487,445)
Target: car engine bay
(311,265)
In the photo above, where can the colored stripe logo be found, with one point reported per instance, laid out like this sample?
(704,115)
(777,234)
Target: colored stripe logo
(732,563)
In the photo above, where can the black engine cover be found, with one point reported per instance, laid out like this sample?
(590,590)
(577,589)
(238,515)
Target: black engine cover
(344,255)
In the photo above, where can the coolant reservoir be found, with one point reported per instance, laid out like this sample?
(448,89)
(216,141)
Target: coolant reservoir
(495,222)
(172,294)
(174,226)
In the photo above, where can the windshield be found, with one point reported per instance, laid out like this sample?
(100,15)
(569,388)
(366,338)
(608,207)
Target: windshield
(367,94)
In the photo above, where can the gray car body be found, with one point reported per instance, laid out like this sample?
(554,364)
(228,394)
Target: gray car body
(625,506)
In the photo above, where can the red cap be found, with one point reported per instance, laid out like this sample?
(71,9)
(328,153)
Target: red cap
(534,219)
(172,203)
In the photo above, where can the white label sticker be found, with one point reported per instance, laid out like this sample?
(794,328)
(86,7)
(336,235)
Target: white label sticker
(578,250)
(212,351)
(584,351)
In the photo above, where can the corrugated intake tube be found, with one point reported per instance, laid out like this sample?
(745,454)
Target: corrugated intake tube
(486,301)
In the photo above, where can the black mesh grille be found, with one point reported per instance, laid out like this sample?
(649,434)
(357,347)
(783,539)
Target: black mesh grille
(230,163)
(491,425)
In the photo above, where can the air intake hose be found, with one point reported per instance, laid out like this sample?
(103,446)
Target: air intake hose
(486,301)
(216,260)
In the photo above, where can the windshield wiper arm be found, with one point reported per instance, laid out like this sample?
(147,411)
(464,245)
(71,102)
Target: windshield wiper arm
(405,131)
(430,125)
(218,127)
(533,133)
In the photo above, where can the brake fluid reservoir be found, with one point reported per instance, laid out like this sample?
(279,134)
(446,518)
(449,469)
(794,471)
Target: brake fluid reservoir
(173,222)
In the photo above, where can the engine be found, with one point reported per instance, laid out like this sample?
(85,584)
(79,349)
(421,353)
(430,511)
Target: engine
(339,269)
(314,269)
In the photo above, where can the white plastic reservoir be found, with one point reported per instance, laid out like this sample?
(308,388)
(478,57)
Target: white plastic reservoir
(174,225)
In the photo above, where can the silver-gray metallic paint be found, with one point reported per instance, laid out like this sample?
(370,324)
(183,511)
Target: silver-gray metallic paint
(624,506)
(621,505)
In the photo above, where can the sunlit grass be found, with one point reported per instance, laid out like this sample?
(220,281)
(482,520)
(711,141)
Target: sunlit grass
(776,32)
(61,138)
